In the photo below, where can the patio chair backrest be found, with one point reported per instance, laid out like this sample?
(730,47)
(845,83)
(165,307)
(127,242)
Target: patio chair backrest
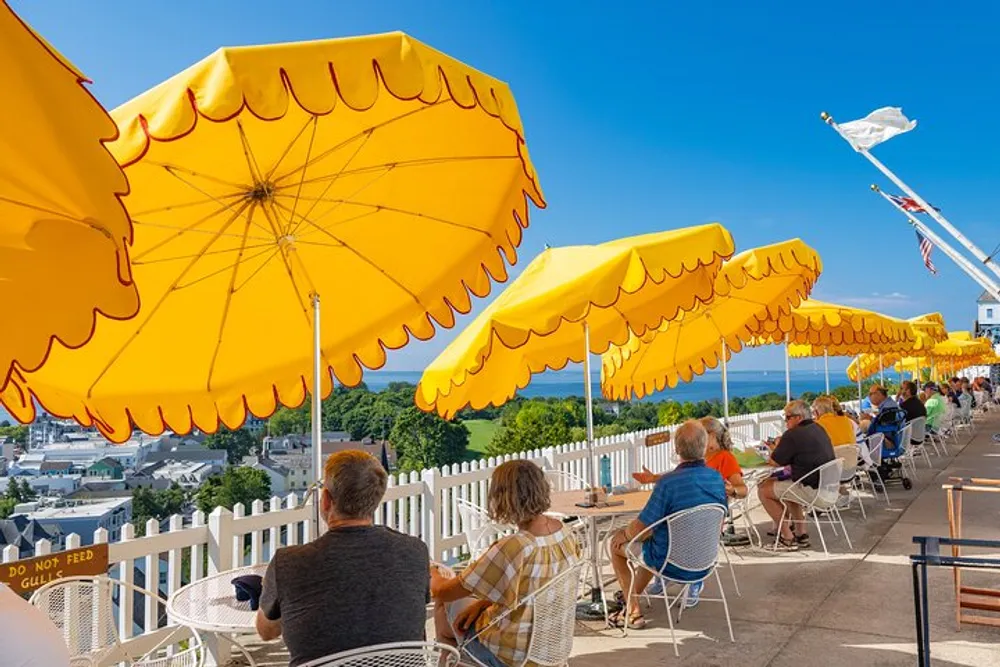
(82,609)
(553,618)
(400,654)
(919,430)
(965,400)
(827,488)
(564,481)
(693,536)
(479,529)
(905,438)
(848,454)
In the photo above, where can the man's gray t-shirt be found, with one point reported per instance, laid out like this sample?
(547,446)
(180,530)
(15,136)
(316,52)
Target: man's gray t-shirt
(355,586)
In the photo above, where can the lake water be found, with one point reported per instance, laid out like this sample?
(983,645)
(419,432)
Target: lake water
(569,382)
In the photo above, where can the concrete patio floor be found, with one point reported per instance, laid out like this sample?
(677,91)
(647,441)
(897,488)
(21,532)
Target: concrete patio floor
(854,608)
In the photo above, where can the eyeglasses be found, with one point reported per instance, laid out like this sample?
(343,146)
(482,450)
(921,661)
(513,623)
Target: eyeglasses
(787,417)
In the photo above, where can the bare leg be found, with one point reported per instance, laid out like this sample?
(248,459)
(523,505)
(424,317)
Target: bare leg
(774,508)
(624,576)
(798,518)
(442,627)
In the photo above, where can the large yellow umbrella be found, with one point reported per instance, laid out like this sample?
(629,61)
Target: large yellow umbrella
(830,329)
(64,233)
(754,287)
(928,330)
(958,346)
(373,173)
(570,302)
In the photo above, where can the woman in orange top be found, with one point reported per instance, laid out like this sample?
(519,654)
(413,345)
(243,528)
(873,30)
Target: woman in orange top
(718,456)
(831,417)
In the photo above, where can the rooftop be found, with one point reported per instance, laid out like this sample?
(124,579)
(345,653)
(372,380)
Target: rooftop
(81,511)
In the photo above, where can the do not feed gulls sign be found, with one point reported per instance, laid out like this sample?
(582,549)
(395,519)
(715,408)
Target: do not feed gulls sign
(25,576)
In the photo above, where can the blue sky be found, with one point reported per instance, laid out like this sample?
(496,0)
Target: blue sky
(647,116)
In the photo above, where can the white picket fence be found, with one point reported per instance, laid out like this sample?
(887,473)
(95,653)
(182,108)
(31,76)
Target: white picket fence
(419,504)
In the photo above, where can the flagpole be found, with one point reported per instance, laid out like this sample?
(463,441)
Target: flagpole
(970,269)
(940,219)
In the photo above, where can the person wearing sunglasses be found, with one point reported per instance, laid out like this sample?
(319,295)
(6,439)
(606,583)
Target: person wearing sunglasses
(803,447)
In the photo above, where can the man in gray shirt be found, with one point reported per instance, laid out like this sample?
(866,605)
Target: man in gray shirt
(357,585)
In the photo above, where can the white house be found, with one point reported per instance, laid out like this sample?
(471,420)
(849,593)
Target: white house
(84,518)
(988,318)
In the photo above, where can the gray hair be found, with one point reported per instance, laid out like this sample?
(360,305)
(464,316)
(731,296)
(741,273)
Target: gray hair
(690,441)
(798,408)
(718,430)
(824,406)
(356,483)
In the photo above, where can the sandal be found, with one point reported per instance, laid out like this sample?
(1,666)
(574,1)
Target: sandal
(617,620)
(802,539)
(782,545)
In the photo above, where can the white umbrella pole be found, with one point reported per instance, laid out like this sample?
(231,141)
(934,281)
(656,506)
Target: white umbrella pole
(788,376)
(725,385)
(588,393)
(317,408)
(857,362)
(881,371)
(826,369)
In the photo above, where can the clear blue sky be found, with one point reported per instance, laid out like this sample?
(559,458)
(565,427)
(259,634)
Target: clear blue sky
(646,116)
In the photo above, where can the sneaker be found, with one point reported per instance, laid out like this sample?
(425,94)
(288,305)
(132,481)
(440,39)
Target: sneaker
(655,587)
(693,594)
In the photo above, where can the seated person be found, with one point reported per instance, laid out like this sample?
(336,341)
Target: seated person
(831,417)
(512,568)
(357,585)
(934,406)
(888,420)
(804,446)
(690,484)
(718,457)
(911,405)
(32,640)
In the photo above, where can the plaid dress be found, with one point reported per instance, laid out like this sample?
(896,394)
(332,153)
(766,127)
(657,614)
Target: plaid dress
(513,567)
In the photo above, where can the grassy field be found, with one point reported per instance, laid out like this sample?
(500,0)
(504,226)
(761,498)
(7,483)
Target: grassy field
(480,433)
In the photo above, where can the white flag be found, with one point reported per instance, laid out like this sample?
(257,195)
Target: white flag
(878,126)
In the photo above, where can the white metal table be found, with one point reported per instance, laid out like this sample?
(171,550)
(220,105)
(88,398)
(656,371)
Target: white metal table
(210,606)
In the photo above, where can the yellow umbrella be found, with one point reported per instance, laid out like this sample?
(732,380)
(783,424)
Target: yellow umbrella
(570,301)
(754,287)
(64,233)
(928,330)
(832,329)
(955,346)
(374,173)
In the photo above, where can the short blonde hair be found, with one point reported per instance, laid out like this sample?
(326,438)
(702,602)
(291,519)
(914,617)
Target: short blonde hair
(518,493)
(824,406)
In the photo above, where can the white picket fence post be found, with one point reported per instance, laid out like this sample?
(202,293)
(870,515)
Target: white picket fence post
(432,528)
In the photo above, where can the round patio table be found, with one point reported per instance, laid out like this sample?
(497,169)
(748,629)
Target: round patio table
(209,605)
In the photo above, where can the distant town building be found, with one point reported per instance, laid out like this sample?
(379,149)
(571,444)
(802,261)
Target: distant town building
(54,485)
(988,320)
(84,518)
(106,468)
(23,533)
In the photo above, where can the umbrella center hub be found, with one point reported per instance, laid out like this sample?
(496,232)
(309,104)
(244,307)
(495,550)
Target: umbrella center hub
(262,192)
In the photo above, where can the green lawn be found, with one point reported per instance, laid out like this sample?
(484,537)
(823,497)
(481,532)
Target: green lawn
(480,433)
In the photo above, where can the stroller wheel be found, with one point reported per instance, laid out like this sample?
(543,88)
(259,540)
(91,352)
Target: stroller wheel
(907,484)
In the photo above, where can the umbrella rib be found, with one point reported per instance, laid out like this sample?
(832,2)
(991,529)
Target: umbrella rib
(63,216)
(252,165)
(353,218)
(288,148)
(176,207)
(205,277)
(298,191)
(337,204)
(366,133)
(143,223)
(417,162)
(156,307)
(191,172)
(334,180)
(229,300)
(260,268)
(365,259)
(288,268)
(205,194)
(269,244)
(402,211)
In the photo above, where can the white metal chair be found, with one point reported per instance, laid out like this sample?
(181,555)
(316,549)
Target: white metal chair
(963,418)
(553,618)
(908,459)
(870,466)
(848,455)
(400,654)
(816,503)
(693,546)
(918,439)
(565,481)
(83,609)
(479,529)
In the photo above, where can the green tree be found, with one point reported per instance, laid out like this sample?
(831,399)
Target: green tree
(18,434)
(27,493)
(148,504)
(235,485)
(290,421)
(669,413)
(6,506)
(424,440)
(238,443)
(14,490)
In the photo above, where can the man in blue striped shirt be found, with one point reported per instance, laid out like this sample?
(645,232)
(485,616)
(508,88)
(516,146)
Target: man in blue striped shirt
(690,484)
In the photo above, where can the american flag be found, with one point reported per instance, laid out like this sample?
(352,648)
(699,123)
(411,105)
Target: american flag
(925,252)
(909,204)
